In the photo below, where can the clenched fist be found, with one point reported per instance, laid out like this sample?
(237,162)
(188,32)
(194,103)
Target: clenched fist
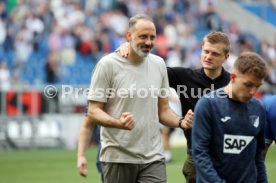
(127,121)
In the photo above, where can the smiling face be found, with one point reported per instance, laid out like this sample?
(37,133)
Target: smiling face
(141,38)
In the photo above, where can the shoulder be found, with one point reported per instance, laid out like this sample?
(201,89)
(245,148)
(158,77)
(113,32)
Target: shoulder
(216,94)
(156,59)
(182,71)
(111,61)
(225,75)
(205,100)
(257,104)
(256,101)
(110,58)
(203,107)
(225,72)
(215,97)
(157,62)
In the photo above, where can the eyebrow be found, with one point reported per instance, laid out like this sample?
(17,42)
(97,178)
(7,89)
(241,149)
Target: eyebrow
(251,83)
(213,52)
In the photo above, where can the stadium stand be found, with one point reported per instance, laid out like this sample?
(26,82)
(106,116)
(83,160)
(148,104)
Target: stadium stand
(263,10)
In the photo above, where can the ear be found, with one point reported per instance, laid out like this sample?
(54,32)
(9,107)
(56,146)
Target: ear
(226,57)
(233,76)
(128,36)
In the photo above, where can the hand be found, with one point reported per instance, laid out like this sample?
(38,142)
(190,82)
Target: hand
(123,50)
(82,166)
(187,122)
(127,121)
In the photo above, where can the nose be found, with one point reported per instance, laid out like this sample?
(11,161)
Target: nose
(149,42)
(253,90)
(208,56)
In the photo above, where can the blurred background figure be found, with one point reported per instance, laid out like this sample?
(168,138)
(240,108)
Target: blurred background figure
(52,69)
(5,80)
(270,126)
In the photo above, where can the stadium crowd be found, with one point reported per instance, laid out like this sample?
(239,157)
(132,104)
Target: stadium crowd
(48,36)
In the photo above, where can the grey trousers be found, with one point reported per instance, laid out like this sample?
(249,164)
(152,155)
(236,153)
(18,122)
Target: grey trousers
(154,172)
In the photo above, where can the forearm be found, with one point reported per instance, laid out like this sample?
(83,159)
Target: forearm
(201,153)
(99,116)
(102,118)
(84,138)
(169,118)
(205,167)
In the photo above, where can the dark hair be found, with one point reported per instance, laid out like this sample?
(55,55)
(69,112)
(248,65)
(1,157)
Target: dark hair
(250,62)
(218,37)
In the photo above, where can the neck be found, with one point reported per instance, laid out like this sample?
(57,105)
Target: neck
(136,58)
(228,89)
(213,74)
(133,56)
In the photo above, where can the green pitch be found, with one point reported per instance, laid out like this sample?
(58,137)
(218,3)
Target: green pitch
(56,166)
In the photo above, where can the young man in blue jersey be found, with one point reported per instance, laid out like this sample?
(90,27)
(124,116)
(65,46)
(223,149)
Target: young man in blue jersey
(270,125)
(228,142)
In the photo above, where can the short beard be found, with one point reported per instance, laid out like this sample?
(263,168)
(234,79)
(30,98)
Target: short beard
(139,51)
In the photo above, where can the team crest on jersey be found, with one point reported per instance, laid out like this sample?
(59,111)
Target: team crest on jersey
(235,144)
(254,120)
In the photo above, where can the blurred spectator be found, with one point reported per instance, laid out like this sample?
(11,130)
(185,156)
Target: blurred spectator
(211,19)
(188,40)
(270,125)
(269,53)
(3,31)
(175,57)
(4,77)
(36,28)
(54,40)
(23,46)
(51,68)
(83,42)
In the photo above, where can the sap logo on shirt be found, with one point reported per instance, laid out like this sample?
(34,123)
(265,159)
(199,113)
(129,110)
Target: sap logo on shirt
(235,144)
